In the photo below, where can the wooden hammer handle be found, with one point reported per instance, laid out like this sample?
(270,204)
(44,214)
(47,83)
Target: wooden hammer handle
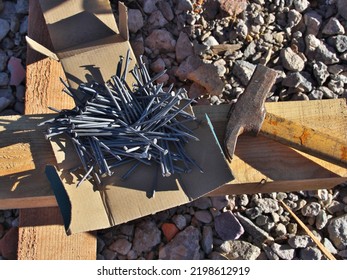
(305,139)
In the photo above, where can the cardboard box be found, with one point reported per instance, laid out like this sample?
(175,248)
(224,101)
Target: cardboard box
(88,43)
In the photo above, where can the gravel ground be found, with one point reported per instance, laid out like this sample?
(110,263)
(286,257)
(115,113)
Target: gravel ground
(305,41)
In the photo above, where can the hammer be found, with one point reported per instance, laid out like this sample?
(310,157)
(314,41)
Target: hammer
(248,114)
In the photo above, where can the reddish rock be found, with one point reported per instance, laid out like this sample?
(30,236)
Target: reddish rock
(207,76)
(163,79)
(158,65)
(190,64)
(169,230)
(196,91)
(9,244)
(161,40)
(184,47)
(234,7)
(17,71)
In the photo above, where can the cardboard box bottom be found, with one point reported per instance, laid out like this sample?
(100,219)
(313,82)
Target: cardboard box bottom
(89,208)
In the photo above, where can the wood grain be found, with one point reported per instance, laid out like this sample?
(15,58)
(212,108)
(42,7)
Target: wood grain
(24,153)
(305,138)
(257,159)
(43,87)
(42,237)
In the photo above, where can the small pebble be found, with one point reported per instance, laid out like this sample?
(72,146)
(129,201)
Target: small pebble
(311,209)
(169,230)
(292,228)
(285,252)
(299,241)
(180,221)
(280,229)
(261,220)
(121,246)
(203,216)
(310,253)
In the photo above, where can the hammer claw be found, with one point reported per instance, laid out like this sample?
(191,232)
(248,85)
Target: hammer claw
(230,141)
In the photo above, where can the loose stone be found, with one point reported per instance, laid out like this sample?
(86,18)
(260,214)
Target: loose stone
(207,239)
(311,209)
(146,236)
(228,226)
(184,246)
(285,252)
(242,250)
(337,229)
(121,246)
(299,241)
(310,253)
(135,22)
(267,205)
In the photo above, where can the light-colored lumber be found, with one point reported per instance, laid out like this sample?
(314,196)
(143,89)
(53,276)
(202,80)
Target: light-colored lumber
(43,87)
(42,237)
(24,153)
(305,138)
(264,186)
(260,164)
(259,158)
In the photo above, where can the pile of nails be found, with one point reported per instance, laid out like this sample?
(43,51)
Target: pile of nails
(116,124)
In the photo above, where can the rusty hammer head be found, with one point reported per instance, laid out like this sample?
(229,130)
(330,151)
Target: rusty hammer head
(248,113)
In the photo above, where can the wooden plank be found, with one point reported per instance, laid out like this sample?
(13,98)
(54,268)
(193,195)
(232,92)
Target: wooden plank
(257,159)
(43,87)
(42,237)
(41,234)
(24,153)
(264,186)
(305,138)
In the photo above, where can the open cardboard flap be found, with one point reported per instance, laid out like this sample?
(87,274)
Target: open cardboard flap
(89,45)
(86,38)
